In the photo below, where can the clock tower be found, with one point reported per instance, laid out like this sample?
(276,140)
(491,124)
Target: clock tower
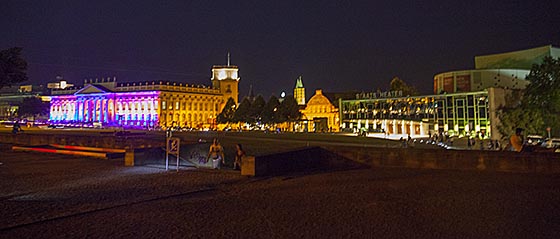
(226,79)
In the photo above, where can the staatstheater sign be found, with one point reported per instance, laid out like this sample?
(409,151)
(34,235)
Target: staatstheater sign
(379,94)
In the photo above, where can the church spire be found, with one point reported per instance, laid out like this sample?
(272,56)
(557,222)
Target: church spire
(228,58)
(299,83)
(299,91)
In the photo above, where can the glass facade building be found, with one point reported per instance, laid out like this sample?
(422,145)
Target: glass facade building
(455,114)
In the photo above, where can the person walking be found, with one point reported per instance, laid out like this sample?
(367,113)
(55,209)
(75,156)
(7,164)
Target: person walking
(239,154)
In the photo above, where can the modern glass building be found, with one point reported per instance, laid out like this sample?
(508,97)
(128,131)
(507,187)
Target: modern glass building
(455,114)
(465,102)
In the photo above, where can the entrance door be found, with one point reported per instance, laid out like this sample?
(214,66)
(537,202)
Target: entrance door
(321,124)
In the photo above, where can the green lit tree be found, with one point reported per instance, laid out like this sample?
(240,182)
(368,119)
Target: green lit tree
(543,92)
(12,67)
(538,107)
(226,116)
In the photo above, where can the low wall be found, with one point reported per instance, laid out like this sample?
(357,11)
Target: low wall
(300,160)
(452,159)
(101,140)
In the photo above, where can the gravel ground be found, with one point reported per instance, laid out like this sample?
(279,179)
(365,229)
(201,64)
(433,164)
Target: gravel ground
(53,196)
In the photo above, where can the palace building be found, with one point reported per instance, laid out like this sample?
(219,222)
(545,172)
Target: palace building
(145,104)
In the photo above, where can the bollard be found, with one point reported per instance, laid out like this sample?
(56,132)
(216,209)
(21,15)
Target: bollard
(248,166)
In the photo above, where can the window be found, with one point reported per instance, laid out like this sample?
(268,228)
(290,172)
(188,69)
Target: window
(163,106)
(177,105)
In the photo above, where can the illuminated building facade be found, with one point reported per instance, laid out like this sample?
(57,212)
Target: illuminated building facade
(465,103)
(456,114)
(321,114)
(145,104)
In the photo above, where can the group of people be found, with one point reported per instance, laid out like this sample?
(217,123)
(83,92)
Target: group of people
(216,155)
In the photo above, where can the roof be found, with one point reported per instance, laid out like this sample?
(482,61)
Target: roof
(93,89)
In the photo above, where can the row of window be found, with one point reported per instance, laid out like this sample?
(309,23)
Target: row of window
(189,106)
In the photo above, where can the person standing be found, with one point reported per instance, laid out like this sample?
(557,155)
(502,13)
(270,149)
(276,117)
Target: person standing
(216,153)
(239,154)
(16,128)
(516,140)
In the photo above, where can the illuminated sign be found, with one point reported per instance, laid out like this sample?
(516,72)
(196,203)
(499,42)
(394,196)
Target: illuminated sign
(379,94)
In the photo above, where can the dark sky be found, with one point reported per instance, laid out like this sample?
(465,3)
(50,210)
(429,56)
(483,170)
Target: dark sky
(335,45)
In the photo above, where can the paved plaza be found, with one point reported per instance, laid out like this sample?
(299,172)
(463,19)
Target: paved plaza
(53,196)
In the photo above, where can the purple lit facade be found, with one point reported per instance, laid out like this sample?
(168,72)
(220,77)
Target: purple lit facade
(145,104)
(134,109)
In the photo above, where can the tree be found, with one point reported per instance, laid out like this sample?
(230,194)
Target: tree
(226,116)
(33,107)
(289,110)
(12,67)
(270,110)
(399,85)
(520,117)
(257,107)
(243,111)
(543,92)
(538,107)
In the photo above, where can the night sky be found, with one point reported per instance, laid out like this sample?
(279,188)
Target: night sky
(335,45)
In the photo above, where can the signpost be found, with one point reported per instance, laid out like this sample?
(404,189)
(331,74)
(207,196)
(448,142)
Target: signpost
(172,146)
(548,130)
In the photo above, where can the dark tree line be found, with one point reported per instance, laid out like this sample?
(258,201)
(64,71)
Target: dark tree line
(260,111)
(12,67)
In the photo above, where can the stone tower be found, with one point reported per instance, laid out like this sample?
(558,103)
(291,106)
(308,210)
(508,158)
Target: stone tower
(226,79)
(299,92)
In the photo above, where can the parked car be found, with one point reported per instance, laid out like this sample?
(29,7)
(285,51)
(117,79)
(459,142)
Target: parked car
(552,143)
(534,140)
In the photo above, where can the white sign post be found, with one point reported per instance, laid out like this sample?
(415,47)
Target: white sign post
(172,146)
